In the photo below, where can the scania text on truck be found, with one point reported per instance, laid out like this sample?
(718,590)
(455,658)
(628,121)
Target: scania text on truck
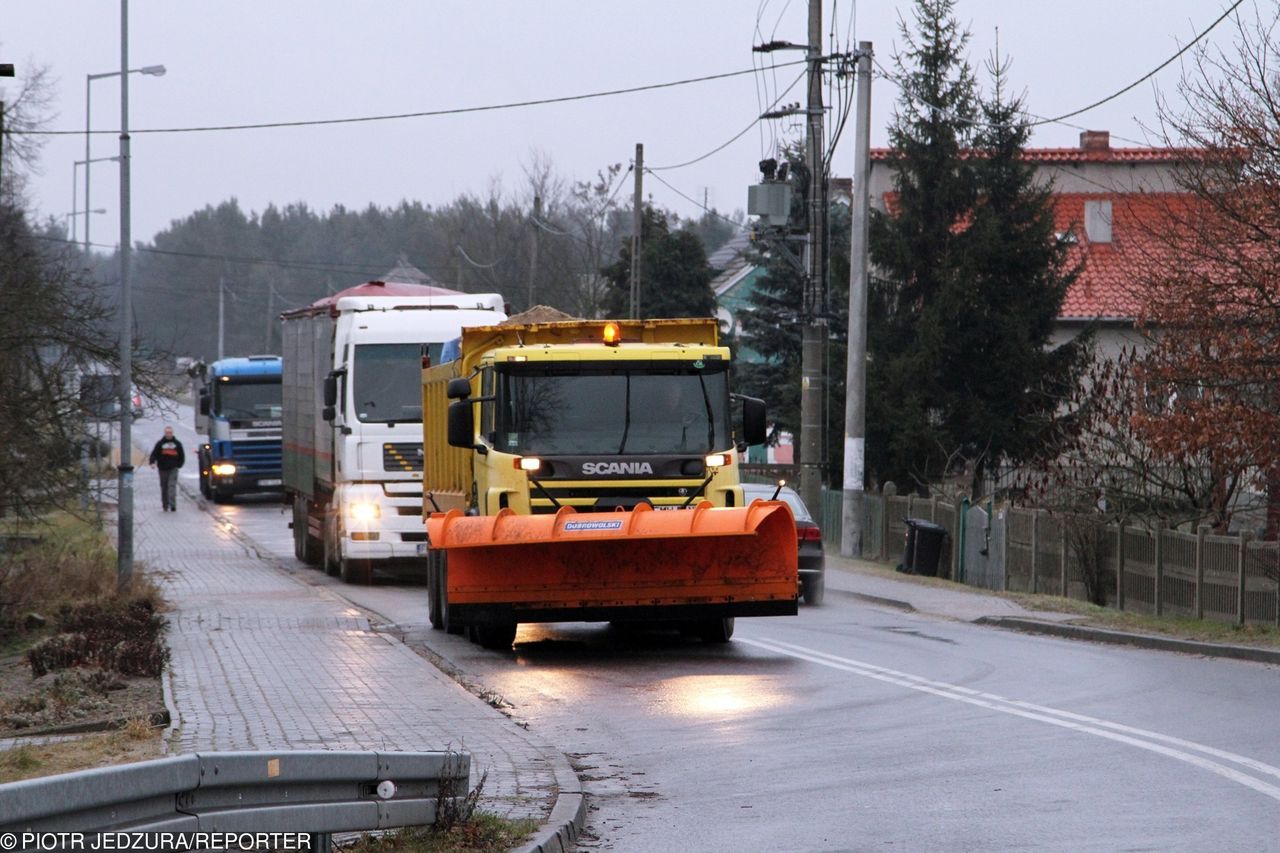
(550,449)
(353,420)
(238,412)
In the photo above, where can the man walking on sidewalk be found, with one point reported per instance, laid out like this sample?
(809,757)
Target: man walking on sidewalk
(168,456)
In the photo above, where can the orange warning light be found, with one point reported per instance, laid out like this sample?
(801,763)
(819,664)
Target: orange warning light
(612,334)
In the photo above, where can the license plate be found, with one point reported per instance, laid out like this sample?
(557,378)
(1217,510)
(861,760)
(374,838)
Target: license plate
(422,548)
(270,482)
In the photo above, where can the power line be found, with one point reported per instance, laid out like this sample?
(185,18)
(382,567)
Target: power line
(362,268)
(421,114)
(1040,120)
(735,137)
(1153,72)
(698,204)
(475,263)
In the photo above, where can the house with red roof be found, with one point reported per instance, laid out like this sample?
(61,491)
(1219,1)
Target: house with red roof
(1108,203)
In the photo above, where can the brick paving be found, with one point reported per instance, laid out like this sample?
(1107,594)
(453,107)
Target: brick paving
(261,660)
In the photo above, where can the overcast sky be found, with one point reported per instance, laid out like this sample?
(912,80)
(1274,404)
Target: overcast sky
(234,62)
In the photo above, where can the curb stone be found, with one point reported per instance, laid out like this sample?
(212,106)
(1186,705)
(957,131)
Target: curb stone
(559,833)
(1124,638)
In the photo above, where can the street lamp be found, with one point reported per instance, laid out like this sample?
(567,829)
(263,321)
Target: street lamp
(149,70)
(75,188)
(71,214)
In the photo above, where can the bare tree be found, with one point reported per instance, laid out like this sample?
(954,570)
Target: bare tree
(25,111)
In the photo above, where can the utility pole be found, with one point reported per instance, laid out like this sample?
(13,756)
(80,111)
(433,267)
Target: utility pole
(271,303)
(222,314)
(533,254)
(124,535)
(855,401)
(814,332)
(6,70)
(637,223)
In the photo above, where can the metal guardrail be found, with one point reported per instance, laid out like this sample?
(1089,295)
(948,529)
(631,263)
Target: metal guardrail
(304,791)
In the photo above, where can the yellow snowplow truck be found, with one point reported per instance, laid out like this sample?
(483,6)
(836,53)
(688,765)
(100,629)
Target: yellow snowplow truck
(589,471)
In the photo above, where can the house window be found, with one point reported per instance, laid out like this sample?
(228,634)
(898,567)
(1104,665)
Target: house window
(1097,221)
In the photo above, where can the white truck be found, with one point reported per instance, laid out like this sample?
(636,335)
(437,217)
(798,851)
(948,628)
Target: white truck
(352,389)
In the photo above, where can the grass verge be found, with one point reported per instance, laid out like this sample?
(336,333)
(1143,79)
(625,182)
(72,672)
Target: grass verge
(75,652)
(138,741)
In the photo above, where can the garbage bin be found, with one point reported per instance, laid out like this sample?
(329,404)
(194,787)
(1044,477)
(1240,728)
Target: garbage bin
(925,541)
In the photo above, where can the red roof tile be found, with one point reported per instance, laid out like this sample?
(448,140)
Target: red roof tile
(1080,155)
(1111,277)
(1110,282)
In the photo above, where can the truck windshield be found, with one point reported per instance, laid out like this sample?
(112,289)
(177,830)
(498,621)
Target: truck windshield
(387,381)
(249,400)
(613,411)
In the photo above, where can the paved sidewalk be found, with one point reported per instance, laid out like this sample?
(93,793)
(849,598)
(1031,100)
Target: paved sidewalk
(951,601)
(261,660)
(954,601)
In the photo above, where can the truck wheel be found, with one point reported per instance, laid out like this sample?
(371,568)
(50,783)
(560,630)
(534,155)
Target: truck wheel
(814,588)
(498,637)
(330,547)
(716,630)
(204,487)
(434,613)
(358,572)
(306,547)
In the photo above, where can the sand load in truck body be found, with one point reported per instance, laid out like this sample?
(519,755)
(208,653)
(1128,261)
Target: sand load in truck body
(549,446)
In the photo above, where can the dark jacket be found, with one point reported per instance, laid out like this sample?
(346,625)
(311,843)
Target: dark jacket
(168,454)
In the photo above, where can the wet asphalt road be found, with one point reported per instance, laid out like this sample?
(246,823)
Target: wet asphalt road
(854,727)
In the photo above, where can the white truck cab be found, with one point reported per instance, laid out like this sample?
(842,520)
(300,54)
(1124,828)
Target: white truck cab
(353,423)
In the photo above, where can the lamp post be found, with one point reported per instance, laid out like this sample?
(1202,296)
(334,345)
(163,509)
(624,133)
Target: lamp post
(150,70)
(71,215)
(75,204)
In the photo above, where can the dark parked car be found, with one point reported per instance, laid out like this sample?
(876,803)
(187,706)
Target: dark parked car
(808,535)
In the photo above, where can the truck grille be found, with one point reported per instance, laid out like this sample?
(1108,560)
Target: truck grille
(401,456)
(257,458)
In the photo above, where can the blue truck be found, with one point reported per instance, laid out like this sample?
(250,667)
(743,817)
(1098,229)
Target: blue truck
(238,411)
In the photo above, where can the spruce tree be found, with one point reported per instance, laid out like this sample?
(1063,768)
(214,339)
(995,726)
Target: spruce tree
(969,278)
(915,246)
(675,280)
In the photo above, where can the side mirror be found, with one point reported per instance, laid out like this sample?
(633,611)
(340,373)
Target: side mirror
(458,389)
(204,404)
(331,391)
(329,413)
(462,424)
(754,428)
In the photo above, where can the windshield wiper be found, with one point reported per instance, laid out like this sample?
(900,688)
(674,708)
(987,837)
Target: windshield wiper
(711,420)
(626,417)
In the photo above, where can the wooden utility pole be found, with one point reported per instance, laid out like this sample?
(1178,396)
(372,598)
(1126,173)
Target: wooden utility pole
(855,401)
(637,223)
(814,332)
(6,70)
(533,254)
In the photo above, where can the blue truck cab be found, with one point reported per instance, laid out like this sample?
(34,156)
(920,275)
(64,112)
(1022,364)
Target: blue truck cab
(238,411)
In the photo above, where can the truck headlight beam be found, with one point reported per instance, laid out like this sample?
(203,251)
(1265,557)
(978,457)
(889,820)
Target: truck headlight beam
(363,511)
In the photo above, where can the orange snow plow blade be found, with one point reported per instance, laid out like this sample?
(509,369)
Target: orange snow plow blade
(742,558)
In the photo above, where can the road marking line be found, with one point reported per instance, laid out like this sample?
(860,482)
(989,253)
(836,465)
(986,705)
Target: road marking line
(1064,719)
(1245,761)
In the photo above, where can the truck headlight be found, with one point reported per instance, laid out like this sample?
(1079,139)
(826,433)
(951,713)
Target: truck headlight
(528,463)
(363,511)
(717,460)
(223,469)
